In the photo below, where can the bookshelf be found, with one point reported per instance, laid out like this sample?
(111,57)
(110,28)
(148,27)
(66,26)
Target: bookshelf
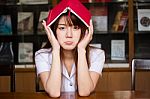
(112,24)
(120,23)
(23,34)
(142,28)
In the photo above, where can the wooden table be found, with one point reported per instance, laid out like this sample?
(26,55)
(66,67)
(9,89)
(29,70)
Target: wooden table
(95,95)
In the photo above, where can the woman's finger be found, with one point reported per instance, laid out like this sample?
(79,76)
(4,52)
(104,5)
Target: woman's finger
(47,30)
(51,32)
(90,34)
(91,26)
(44,24)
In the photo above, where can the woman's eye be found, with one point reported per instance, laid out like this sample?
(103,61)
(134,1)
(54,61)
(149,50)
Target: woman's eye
(61,28)
(76,27)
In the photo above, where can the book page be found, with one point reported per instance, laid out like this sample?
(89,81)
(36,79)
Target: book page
(5,25)
(25,23)
(43,16)
(25,52)
(100,18)
(143,19)
(117,49)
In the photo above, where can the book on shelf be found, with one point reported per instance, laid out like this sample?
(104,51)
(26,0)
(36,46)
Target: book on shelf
(5,25)
(43,16)
(120,21)
(25,53)
(6,53)
(143,19)
(117,49)
(32,2)
(25,23)
(100,18)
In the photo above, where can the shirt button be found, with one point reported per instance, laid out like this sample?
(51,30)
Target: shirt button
(71,84)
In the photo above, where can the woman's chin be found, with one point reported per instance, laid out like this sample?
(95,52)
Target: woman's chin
(68,47)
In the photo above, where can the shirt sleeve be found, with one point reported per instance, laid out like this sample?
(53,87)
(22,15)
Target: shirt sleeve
(97,58)
(42,62)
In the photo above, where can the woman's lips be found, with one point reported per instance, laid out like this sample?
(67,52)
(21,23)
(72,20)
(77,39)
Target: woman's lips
(68,42)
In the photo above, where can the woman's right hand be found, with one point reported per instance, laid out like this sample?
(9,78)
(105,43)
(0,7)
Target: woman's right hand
(52,39)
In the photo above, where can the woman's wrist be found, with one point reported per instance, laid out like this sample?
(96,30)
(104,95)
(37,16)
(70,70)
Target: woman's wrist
(55,51)
(81,50)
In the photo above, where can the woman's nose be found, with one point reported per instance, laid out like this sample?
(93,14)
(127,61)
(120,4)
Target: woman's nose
(69,32)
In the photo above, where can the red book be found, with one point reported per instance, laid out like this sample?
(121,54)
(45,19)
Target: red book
(85,1)
(74,6)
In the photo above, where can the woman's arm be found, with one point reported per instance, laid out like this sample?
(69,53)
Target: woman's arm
(87,80)
(52,80)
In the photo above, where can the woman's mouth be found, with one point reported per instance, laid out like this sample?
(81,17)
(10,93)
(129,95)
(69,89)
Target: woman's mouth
(68,42)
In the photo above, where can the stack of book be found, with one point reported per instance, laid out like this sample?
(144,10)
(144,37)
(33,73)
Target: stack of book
(120,21)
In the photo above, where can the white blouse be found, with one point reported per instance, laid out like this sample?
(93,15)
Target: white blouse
(43,61)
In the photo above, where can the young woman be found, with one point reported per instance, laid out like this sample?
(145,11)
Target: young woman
(67,63)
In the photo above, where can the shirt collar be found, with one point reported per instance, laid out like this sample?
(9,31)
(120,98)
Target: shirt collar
(65,72)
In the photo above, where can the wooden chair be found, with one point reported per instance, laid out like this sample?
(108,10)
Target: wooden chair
(138,64)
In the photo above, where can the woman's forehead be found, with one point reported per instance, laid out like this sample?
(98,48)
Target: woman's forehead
(65,20)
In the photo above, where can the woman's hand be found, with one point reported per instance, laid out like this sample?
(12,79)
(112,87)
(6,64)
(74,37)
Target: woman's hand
(52,39)
(87,38)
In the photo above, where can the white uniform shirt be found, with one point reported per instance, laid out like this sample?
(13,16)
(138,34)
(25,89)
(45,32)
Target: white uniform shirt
(43,59)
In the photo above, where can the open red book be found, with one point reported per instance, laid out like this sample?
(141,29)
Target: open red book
(74,6)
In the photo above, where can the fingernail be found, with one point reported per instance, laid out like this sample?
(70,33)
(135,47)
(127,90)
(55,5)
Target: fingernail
(43,20)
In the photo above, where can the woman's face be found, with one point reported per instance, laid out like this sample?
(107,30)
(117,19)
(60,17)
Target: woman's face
(67,36)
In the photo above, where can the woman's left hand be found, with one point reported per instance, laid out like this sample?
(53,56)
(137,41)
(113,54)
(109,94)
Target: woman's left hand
(87,38)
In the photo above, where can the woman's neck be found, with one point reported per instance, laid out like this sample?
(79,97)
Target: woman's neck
(68,54)
(68,60)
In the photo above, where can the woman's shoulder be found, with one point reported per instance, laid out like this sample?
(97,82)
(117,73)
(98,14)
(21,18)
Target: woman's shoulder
(96,55)
(96,50)
(43,51)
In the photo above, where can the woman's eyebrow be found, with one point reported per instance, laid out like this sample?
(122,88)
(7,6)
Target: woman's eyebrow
(61,24)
